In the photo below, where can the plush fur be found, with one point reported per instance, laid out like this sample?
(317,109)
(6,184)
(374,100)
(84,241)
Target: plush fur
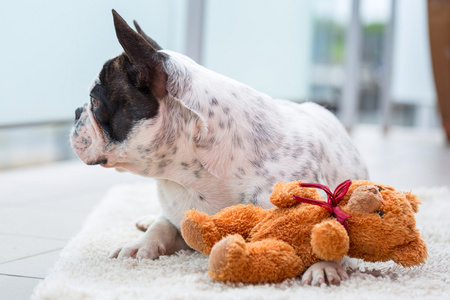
(250,244)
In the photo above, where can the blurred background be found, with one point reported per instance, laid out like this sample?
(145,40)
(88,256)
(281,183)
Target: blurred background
(368,61)
(382,66)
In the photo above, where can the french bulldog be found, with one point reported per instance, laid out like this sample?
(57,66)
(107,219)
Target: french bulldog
(209,141)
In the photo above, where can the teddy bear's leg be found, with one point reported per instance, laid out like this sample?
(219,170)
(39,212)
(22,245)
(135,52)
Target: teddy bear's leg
(201,231)
(257,262)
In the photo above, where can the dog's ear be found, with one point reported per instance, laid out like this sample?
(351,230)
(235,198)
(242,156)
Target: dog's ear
(151,41)
(144,57)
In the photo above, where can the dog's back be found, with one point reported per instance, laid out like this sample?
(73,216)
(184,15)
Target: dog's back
(253,141)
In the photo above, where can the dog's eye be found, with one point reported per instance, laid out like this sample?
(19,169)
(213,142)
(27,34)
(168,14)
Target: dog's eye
(380,213)
(94,101)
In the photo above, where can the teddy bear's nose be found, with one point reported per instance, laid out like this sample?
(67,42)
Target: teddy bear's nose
(365,199)
(373,190)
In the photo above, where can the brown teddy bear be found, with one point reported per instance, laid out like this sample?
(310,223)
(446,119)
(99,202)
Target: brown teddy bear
(361,219)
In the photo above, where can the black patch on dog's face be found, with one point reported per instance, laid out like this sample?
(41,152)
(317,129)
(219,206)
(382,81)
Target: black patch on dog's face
(121,99)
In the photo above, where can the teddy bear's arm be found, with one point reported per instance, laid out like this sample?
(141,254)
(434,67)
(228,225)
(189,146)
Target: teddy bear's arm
(201,232)
(283,192)
(240,219)
(329,240)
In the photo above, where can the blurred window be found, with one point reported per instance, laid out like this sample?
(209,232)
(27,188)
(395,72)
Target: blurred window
(289,49)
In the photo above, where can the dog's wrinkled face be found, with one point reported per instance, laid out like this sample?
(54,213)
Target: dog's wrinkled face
(124,94)
(117,102)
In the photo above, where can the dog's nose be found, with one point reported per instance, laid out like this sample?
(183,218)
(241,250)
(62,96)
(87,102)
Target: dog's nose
(78,112)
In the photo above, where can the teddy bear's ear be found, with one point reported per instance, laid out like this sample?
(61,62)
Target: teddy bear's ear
(283,194)
(413,200)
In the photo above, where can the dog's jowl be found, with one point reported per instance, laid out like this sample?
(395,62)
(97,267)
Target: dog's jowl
(209,141)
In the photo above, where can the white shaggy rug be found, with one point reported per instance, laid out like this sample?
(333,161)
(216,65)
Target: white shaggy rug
(84,270)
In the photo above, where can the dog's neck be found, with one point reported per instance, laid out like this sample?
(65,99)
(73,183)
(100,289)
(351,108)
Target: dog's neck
(200,88)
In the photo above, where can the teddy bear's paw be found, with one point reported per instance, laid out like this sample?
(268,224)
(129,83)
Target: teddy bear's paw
(329,240)
(199,231)
(227,258)
(324,273)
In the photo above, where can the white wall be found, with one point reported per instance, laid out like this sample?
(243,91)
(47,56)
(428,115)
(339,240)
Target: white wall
(265,44)
(51,50)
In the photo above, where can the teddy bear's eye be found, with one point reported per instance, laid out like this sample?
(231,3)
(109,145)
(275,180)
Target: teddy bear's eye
(380,213)
(379,189)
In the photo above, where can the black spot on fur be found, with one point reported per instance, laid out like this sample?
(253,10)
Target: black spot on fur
(275,157)
(271,180)
(241,171)
(237,141)
(255,194)
(214,101)
(163,164)
(316,178)
(256,163)
(242,197)
(85,141)
(230,122)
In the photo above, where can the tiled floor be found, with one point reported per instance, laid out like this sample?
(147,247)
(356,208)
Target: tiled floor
(41,208)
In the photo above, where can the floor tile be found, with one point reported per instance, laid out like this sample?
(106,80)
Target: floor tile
(405,158)
(43,222)
(34,266)
(14,247)
(16,288)
(44,183)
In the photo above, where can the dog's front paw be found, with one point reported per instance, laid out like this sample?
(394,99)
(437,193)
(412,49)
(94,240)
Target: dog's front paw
(139,249)
(324,272)
(161,238)
(144,223)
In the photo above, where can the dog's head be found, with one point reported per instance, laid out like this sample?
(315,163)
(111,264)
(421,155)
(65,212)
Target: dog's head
(127,97)
(128,90)
(153,110)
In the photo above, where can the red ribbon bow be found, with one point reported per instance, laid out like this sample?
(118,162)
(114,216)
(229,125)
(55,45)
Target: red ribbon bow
(333,199)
